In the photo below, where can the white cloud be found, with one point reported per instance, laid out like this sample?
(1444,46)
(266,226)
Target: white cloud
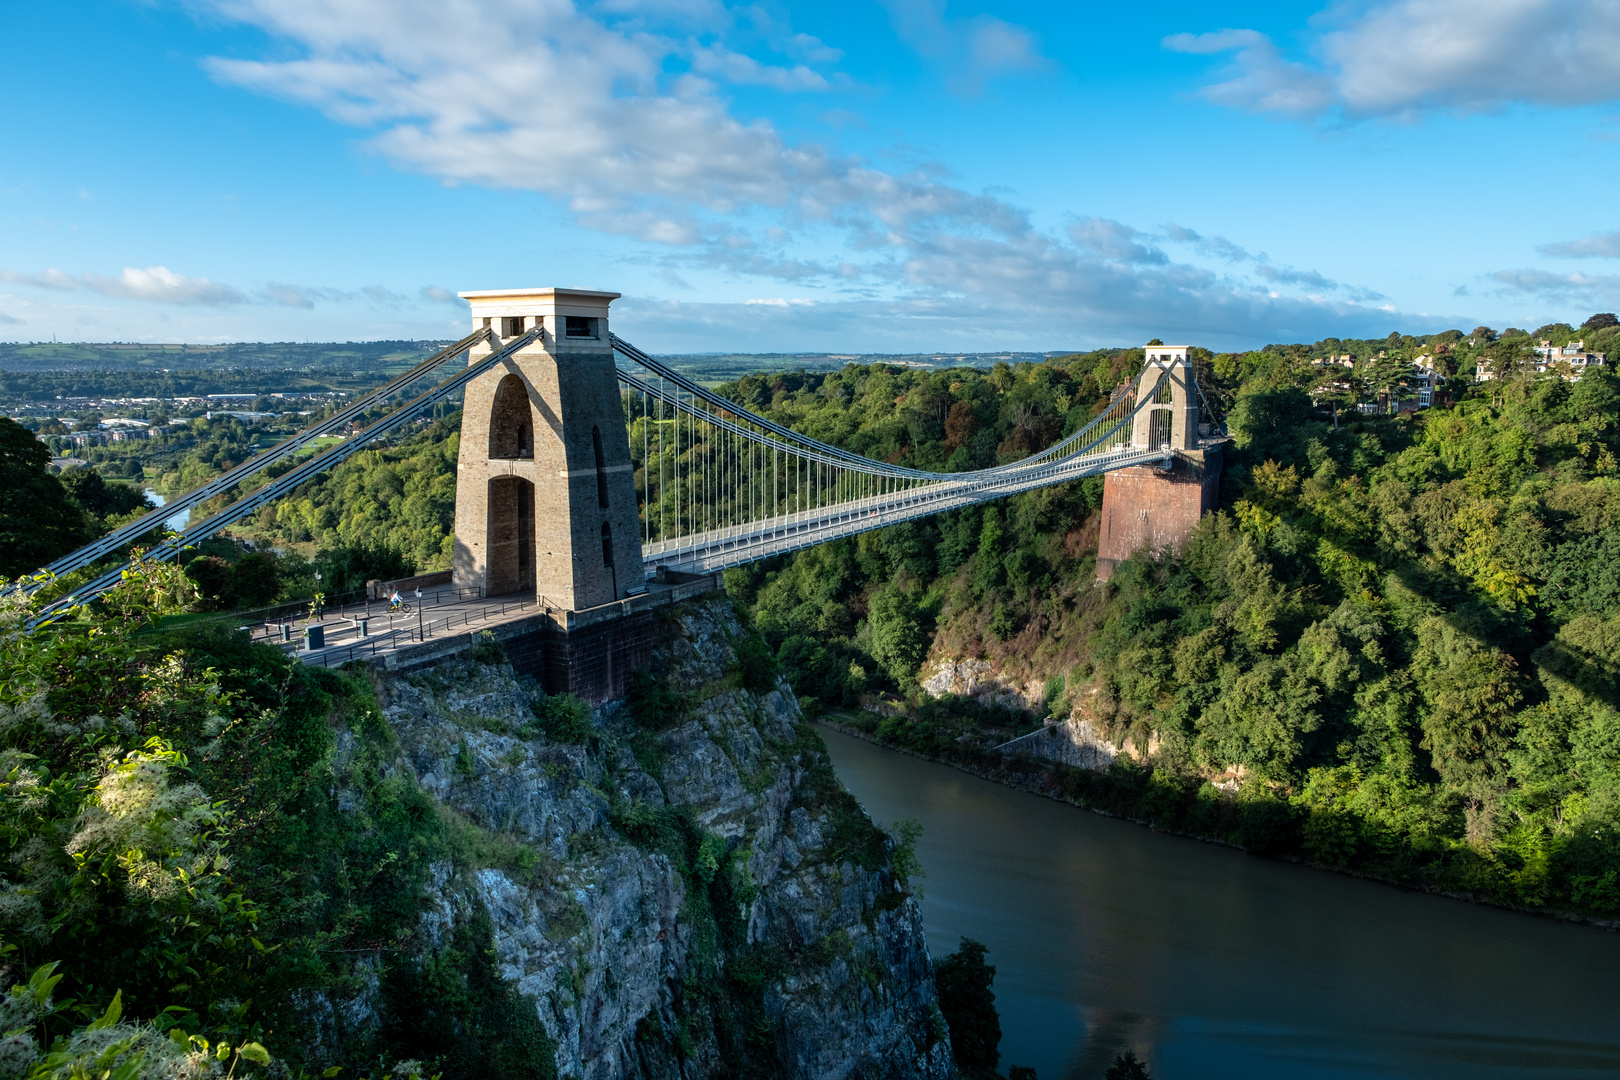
(307,296)
(1601,246)
(1570,288)
(745,70)
(1113,240)
(1217,246)
(1261,265)
(1405,57)
(581,109)
(813,50)
(973,50)
(157,284)
(438,294)
(299,296)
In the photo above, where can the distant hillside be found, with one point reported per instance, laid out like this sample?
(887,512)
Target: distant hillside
(282,355)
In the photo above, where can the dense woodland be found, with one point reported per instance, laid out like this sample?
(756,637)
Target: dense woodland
(1395,649)
(1398,636)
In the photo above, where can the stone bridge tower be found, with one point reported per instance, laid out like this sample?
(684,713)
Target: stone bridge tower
(545,492)
(1155,507)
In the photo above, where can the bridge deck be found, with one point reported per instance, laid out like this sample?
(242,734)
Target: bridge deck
(449,619)
(735,545)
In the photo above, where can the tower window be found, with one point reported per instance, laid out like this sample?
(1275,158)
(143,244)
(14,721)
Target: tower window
(578,326)
(512,327)
(607,544)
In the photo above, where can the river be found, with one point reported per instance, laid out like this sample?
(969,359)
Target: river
(1214,964)
(178,521)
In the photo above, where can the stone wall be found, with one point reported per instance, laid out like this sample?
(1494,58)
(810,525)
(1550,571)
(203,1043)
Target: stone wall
(1146,507)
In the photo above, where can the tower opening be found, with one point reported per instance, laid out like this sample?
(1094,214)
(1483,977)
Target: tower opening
(511,535)
(511,421)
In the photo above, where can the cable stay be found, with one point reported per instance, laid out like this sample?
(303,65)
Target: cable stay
(285,484)
(131,531)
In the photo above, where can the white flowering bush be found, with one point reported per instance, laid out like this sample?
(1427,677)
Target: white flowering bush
(112,855)
(110,1048)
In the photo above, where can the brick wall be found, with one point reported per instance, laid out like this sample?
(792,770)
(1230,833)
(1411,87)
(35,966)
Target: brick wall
(1148,507)
(595,662)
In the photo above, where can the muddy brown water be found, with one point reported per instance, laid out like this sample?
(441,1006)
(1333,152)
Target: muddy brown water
(1214,964)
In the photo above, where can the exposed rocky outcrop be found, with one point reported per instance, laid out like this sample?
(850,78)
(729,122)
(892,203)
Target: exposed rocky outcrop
(979,679)
(1068,742)
(686,894)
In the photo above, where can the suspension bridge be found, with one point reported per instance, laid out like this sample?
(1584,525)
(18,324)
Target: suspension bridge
(559,512)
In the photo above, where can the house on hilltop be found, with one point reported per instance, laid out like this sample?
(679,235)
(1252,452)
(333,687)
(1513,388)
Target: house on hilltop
(1550,356)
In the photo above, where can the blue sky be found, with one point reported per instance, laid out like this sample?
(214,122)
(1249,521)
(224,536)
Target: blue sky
(895,176)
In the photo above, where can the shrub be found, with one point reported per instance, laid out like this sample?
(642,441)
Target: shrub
(564,718)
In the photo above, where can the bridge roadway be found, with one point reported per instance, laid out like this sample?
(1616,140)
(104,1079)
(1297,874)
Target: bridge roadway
(732,546)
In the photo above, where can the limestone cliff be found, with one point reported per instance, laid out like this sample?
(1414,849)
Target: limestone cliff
(677,886)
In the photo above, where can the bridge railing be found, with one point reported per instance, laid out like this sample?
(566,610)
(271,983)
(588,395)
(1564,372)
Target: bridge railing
(416,630)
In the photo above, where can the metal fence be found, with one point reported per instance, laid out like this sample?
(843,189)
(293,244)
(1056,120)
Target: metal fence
(396,638)
(362,605)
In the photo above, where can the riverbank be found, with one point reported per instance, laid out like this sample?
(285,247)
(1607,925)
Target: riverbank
(1260,825)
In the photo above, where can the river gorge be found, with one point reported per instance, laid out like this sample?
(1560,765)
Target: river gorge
(1216,964)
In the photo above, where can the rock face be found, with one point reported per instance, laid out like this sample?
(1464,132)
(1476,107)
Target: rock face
(1069,742)
(680,889)
(978,679)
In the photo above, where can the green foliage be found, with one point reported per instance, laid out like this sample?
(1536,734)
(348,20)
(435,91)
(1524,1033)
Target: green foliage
(183,839)
(756,666)
(654,702)
(38,522)
(252,579)
(1388,649)
(394,503)
(964,981)
(103,503)
(907,867)
(564,718)
(487,649)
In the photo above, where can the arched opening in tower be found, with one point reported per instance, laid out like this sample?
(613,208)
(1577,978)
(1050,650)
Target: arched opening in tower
(1162,427)
(511,421)
(511,536)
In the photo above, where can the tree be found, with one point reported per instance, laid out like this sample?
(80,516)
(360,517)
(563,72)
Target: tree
(960,424)
(38,523)
(963,980)
(897,639)
(1483,335)
(1339,387)
(1386,376)
(100,499)
(1601,321)
(257,578)
(1127,1066)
